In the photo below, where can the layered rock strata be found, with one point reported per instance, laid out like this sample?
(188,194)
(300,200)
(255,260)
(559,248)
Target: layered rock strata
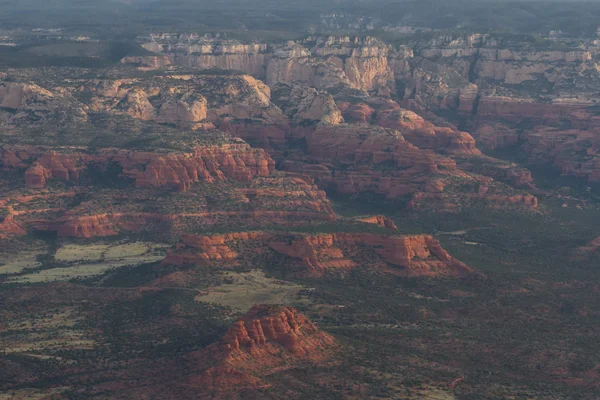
(316,255)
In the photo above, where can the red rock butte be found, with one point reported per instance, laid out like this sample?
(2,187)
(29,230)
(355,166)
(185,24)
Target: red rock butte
(264,340)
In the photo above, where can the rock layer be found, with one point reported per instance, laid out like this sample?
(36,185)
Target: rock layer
(145,169)
(319,254)
(265,340)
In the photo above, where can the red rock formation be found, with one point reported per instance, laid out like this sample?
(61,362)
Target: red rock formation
(317,254)
(380,220)
(177,169)
(36,176)
(9,225)
(357,158)
(86,226)
(406,255)
(308,251)
(258,132)
(240,163)
(492,136)
(265,340)
(356,113)
(443,202)
(424,134)
(273,326)
(100,225)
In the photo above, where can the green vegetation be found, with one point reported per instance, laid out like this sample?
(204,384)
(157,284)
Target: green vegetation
(241,291)
(78,261)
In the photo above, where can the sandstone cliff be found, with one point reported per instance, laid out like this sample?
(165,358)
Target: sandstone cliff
(316,255)
(93,209)
(170,170)
(265,340)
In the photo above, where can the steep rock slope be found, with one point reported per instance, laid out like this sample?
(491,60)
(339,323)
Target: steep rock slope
(177,170)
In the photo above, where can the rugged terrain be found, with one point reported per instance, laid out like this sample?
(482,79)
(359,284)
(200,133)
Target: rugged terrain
(506,91)
(325,217)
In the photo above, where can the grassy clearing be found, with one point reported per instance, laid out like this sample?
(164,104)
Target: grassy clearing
(250,288)
(84,261)
(76,252)
(97,252)
(67,273)
(18,264)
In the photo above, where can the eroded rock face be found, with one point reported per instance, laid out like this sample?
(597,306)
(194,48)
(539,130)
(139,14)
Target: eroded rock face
(305,104)
(329,132)
(512,93)
(171,170)
(424,134)
(202,52)
(147,62)
(188,102)
(265,340)
(15,95)
(319,254)
(380,220)
(406,255)
(356,146)
(360,158)
(360,63)
(137,204)
(9,226)
(25,104)
(265,326)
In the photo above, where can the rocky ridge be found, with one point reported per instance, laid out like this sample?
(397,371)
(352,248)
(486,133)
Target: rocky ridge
(176,170)
(315,255)
(491,84)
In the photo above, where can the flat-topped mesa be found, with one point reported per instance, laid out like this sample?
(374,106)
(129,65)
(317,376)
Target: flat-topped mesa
(146,169)
(315,255)
(490,48)
(98,211)
(147,62)
(360,63)
(203,52)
